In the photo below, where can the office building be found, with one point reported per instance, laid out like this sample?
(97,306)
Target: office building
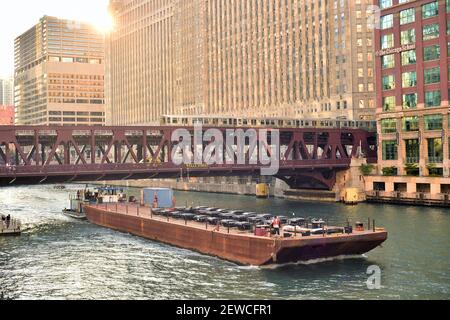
(59,74)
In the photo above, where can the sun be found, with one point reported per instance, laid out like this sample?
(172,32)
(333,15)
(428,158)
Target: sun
(104,23)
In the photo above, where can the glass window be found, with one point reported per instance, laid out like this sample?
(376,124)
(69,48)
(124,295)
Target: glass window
(408,36)
(388,126)
(389,103)
(385,4)
(432,75)
(387,21)
(407,16)
(430,10)
(409,79)
(432,99)
(435,150)
(387,41)
(434,122)
(410,101)
(412,151)
(410,124)
(432,52)
(388,61)
(389,82)
(430,31)
(409,57)
(390,151)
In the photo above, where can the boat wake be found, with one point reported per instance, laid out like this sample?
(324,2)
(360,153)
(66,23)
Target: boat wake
(305,263)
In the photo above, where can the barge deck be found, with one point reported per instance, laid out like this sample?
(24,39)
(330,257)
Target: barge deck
(241,247)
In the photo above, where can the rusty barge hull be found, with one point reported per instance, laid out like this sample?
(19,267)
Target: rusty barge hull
(243,249)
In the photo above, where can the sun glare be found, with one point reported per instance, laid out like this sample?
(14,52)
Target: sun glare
(104,23)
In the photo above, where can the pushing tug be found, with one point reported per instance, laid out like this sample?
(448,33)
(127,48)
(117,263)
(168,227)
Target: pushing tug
(10,226)
(246,238)
(88,196)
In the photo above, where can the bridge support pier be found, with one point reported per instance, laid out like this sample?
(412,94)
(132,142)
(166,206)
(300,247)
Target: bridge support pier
(328,185)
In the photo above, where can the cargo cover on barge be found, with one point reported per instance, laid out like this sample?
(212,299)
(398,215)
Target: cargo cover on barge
(245,247)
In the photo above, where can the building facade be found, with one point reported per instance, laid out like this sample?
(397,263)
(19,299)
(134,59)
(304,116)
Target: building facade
(413,76)
(7,91)
(413,47)
(59,74)
(6,115)
(294,58)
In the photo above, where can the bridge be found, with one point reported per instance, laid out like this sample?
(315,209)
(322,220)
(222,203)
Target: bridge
(307,157)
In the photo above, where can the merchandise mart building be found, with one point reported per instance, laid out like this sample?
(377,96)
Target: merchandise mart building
(246,58)
(412,52)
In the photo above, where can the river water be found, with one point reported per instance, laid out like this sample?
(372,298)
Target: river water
(59,258)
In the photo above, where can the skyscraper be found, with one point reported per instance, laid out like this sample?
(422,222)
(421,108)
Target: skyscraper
(7,91)
(59,74)
(294,58)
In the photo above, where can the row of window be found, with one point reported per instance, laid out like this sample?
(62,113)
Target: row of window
(410,124)
(432,99)
(412,150)
(429,32)
(409,57)
(429,10)
(409,79)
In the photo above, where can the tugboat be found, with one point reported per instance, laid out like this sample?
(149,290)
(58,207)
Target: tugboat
(87,196)
(246,239)
(9,226)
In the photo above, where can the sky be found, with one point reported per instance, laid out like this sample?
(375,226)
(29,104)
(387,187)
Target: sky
(17,16)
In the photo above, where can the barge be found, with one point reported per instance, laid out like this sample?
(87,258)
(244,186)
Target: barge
(246,239)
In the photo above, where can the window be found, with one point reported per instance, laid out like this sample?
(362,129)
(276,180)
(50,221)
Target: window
(430,31)
(431,52)
(388,61)
(430,10)
(432,99)
(407,16)
(433,122)
(410,101)
(389,82)
(390,150)
(410,124)
(409,79)
(385,4)
(388,103)
(412,151)
(435,150)
(387,41)
(408,36)
(388,126)
(409,57)
(387,21)
(432,75)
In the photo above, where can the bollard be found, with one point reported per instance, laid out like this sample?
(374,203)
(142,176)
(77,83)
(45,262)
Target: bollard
(368,224)
(374,229)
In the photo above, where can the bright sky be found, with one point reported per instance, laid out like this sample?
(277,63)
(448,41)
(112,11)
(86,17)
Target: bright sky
(17,16)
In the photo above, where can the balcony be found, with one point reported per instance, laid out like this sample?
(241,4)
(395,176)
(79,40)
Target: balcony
(412,159)
(439,159)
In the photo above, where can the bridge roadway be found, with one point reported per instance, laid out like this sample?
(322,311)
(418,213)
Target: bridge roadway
(63,154)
